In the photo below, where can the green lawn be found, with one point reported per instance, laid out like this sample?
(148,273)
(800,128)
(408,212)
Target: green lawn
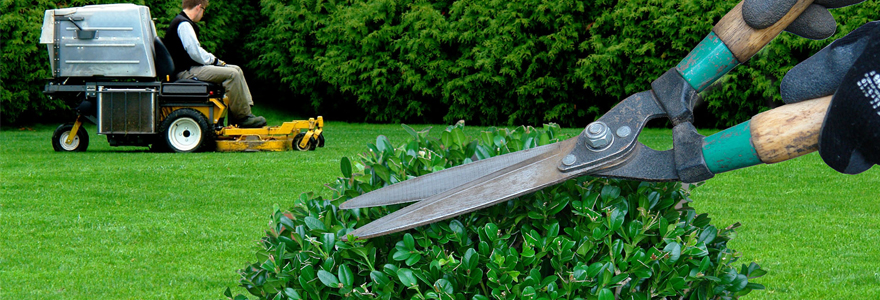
(125,223)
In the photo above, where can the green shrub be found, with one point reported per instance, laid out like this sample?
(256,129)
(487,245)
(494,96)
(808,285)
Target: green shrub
(587,238)
(25,62)
(508,62)
(488,62)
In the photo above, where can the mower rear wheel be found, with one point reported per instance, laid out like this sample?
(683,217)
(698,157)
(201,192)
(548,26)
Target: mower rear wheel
(80,141)
(186,130)
(310,145)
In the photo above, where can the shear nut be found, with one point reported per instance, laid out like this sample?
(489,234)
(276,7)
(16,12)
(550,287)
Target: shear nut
(598,135)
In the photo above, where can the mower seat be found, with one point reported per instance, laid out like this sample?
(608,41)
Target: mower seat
(174,87)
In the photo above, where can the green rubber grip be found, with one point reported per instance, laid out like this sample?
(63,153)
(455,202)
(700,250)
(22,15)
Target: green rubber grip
(707,62)
(730,149)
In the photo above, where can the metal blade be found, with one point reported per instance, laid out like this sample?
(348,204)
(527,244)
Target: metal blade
(428,185)
(515,180)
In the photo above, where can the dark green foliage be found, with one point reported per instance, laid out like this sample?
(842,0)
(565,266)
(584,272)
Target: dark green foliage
(586,238)
(502,62)
(637,41)
(24,62)
(488,62)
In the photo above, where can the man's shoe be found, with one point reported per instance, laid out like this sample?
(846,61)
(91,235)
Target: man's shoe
(251,122)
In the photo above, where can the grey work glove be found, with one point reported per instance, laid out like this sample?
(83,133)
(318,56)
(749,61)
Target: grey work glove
(814,23)
(848,68)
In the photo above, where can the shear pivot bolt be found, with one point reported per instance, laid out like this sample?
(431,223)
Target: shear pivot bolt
(598,136)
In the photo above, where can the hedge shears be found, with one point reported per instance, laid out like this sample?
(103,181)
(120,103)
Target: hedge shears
(609,147)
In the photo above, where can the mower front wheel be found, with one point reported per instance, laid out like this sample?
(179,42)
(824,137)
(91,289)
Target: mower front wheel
(320,141)
(186,130)
(310,145)
(59,139)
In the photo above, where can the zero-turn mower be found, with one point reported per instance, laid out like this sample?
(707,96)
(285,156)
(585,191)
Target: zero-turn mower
(110,60)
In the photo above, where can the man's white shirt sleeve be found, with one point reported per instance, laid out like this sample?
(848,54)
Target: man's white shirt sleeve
(191,44)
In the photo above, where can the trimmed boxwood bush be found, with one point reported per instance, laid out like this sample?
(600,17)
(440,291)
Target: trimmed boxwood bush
(587,238)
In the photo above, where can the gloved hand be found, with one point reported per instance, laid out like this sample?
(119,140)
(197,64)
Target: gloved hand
(814,23)
(848,68)
(218,62)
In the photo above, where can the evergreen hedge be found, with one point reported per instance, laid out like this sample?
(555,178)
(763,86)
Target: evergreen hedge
(508,62)
(488,62)
(24,62)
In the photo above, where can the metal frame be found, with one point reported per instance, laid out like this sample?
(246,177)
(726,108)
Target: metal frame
(153,98)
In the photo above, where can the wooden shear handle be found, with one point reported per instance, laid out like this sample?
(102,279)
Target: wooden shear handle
(743,40)
(789,131)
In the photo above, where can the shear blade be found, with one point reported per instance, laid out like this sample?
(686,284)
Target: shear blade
(515,180)
(428,185)
(467,188)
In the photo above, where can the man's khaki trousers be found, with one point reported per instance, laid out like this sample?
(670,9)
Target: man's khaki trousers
(240,100)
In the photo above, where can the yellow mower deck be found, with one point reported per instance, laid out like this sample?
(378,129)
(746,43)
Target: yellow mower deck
(275,138)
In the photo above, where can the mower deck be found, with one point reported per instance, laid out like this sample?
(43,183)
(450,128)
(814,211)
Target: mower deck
(275,138)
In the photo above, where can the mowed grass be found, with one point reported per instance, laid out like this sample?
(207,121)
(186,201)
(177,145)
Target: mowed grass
(126,223)
(815,230)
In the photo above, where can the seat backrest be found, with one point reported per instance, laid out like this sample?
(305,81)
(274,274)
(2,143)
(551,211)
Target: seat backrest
(164,62)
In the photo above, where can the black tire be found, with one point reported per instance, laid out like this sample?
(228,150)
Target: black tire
(321,140)
(80,142)
(186,130)
(298,138)
(313,143)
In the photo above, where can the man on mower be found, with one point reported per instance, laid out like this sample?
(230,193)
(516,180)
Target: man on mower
(191,61)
